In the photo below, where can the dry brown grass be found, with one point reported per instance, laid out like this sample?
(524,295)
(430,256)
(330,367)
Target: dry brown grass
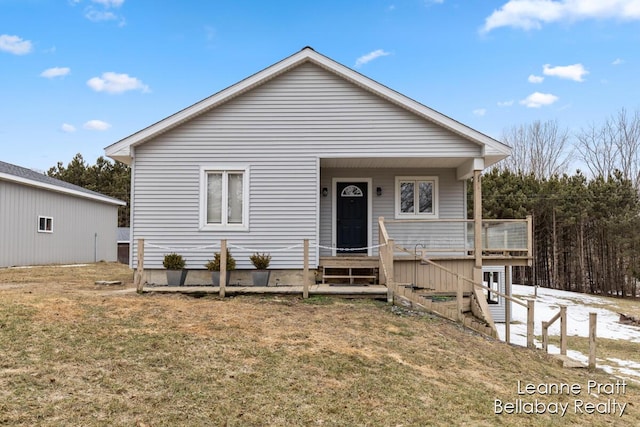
(74,353)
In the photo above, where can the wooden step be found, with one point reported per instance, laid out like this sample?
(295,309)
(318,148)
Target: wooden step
(349,272)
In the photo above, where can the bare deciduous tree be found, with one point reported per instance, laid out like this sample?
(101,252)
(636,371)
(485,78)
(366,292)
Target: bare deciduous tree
(615,145)
(539,148)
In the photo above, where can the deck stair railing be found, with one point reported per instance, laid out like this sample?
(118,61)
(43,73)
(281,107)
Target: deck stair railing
(386,263)
(562,315)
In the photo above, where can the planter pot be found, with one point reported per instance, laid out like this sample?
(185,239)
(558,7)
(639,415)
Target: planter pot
(215,278)
(176,277)
(261,277)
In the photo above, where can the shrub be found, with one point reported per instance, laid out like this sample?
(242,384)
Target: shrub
(260,261)
(173,261)
(214,264)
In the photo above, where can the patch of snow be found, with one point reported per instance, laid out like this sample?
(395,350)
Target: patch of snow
(547,305)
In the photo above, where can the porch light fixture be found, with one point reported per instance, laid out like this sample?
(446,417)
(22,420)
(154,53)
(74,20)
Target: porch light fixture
(378,191)
(325,191)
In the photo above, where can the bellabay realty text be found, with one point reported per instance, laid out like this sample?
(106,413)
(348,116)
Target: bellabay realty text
(598,399)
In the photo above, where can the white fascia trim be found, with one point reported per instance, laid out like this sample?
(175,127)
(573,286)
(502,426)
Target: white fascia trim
(119,150)
(412,105)
(44,185)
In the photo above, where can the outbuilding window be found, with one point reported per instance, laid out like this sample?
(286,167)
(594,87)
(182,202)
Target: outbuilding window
(225,200)
(45,224)
(416,197)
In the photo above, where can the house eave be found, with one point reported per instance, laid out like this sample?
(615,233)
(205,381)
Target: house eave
(121,150)
(51,187)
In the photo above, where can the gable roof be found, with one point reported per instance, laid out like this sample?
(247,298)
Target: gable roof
(18,174)
(493,150)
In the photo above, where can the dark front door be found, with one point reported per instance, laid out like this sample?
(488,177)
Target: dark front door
(351,216)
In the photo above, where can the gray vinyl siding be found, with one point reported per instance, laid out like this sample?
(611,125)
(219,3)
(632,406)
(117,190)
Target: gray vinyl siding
(451,194)
(278,130)
(76,222)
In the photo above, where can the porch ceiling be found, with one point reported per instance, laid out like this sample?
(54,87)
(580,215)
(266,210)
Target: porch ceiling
(393,162)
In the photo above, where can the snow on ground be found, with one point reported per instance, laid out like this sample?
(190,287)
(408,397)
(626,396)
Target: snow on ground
(547,305)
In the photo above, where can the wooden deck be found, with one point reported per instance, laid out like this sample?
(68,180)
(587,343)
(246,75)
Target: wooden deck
(371,291)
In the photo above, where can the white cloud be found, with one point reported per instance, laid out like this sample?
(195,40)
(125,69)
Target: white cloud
(537,100)
(100,15)
(480,112)
(618,61)
(532,14)
(116,83)
(370,57)
(67,128)
(571,72)
(15,45)
(96,125)
(535,79)
(55,72)
(102,12)
(109,3)
(505,103)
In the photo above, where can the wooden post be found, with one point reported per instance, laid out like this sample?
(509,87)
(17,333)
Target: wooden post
(477,217)
(223,267)
(545,336)
(507,304)
(305,274)
(593,319)
(563,330)
(140,270)
(459,298)
(381,253)
(391,283)
(530,319)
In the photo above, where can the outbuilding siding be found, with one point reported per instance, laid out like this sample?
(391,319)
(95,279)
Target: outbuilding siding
(83,230)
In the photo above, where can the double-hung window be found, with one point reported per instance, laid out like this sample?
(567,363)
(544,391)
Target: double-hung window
(225,204)
(416,197)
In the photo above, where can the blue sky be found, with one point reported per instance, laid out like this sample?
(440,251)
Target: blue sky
(78,75)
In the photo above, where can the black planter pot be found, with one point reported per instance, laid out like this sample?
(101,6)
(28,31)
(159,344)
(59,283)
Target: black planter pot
(215,278)
(176,277)
(261,277)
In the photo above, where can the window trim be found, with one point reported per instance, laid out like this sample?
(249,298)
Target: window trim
(416,215)
(48,222)
(225,170)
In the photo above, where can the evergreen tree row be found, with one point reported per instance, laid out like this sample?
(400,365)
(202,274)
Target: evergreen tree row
(586,232)
(109,178)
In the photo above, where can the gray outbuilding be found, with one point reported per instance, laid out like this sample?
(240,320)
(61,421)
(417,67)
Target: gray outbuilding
(47,221)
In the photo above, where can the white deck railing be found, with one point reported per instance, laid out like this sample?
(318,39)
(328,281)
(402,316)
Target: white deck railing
(455,237)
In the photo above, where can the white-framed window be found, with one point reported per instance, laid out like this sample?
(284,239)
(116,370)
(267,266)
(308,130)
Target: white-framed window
(416,197)
(224,198)
(45,224)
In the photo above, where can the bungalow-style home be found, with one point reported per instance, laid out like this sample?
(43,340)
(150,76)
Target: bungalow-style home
(47,221)
(311,149)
